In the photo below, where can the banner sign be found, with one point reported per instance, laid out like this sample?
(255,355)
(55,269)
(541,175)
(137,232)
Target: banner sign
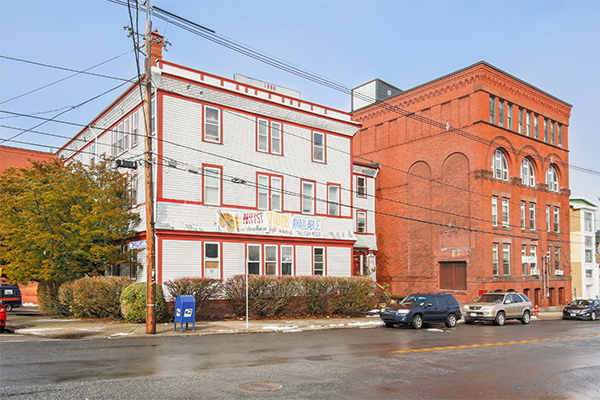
(528,259)
(268,223)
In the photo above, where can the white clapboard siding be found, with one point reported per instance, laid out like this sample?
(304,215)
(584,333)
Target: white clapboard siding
(339,260)
(181,259)
(233,259)
(303,260)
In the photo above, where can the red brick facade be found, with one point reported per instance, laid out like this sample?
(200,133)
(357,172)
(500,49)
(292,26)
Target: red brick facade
(435,226)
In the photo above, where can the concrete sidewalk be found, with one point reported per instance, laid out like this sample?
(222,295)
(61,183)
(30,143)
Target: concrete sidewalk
(29,324)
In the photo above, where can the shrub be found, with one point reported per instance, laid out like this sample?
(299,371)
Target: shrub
(352,295)
(65,297)
(203,289)
(47,294)
(269,295)
(95,297)
(133,303)
(234,290)
(316,289)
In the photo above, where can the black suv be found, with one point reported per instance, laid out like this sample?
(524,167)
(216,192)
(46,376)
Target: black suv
(418,309)
(10,296)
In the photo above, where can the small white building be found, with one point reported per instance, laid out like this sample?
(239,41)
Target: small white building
(585,271)
(247,175)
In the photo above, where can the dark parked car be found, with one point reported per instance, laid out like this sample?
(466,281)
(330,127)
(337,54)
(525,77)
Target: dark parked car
(10,296)
(582,309)
(418,309)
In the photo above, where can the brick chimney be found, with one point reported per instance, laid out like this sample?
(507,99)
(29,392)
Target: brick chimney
(156,48)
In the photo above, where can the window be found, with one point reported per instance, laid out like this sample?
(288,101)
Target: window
(120,138)
(134,189)
(275,138)
(556,219)
(134,129)
(453,276)
(548,219)
(318,261)
(506,259)
(263,135)
(153,116)
(113,134)
(263,192)
(505,212)
(287,260)
(533,253)
(492,109)
(318,147)
(361,222)
(211,260)
(523,264)
(308,200)
(361,186)
(532,216)
(212,124)
(269,192)
(212,186)
(546,130)
(333,197)
(509,116)
(254,260)
(588,256)
(587,221)
(552,132)
(501,112)
(494,211)
(552,179)
(527,173)
(500,165)
(556,258)
(495,259)
(276,194)
(523,215)
(528,123)
(520,120)
(126,134)
(536,126)
(270,260)
(93,153)
(560,135)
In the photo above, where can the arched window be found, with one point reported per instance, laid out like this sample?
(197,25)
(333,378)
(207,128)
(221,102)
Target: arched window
(552,179)
(500,166)
(527,173)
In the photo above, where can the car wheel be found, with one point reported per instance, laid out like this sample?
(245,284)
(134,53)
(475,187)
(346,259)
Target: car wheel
(389,324)
(469,321)
(500,318)
(451,321)
(8,307)
(593,316)
(526,318)
(417,322)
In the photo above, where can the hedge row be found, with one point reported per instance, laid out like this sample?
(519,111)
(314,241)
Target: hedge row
(118,297)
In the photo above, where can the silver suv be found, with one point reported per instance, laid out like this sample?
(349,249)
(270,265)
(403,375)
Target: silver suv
(498,307)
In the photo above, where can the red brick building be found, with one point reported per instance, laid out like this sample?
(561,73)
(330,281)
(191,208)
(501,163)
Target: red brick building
(473,189)
(22,158)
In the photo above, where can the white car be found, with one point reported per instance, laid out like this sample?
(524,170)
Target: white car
(498,307)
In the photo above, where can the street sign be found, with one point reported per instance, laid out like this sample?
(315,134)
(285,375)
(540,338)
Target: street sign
(140,244)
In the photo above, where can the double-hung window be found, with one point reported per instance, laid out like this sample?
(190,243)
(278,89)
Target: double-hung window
(269,136)
(133,195)
(523,215)
(361,222)
(212,186)
(492,109)
(308,199)
(333,199)
(120,138)
(533,253)
(318,147)
(93,153)
(254,259)
(134,129)
(552,132)
(263,135)
(528,123)
(212,124)
(494,211)
(520,120)
(126,134)
(361,186)
(546,130)
(523,264)
(587,222)
(212,260)
(509,116)
(506,259)
(556,213)
(548,218)
(500,165)
(527,173)
(505,212)
(270,260)
(287,260)
(495,259)
(501,112)
(560,135)
(318,261)
(276,132)
(536,126)
(552,179)
(532,216)
(269,192)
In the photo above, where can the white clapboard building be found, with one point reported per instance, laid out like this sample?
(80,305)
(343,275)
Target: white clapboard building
(247,175)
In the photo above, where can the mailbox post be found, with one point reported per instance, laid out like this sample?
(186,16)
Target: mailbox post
(185,312)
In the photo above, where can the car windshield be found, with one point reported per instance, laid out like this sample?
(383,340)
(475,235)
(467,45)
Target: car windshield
(413,301)
(580,303)
(489,298)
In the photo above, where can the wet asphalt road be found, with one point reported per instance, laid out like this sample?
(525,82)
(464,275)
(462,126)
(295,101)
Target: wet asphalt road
(544,360)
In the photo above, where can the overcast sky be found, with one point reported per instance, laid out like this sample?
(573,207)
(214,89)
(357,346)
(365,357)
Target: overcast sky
(553,45)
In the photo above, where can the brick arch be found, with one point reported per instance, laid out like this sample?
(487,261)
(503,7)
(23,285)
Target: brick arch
(534,156)
(559,166)
(502,143)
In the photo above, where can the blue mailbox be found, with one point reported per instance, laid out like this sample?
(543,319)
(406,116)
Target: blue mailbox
(185,312)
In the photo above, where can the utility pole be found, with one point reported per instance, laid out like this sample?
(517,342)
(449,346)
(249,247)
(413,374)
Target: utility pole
(150,245)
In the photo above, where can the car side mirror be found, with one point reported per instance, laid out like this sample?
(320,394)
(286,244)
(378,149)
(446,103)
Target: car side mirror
(428,304)
(508,302)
